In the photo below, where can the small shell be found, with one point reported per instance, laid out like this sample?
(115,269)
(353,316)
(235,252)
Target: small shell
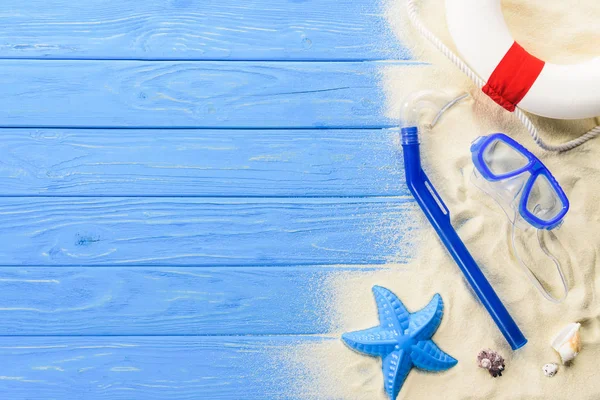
(492,361)
(550,369)
(567,342)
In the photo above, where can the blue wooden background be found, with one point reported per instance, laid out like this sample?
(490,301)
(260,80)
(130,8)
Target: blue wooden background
(176,178)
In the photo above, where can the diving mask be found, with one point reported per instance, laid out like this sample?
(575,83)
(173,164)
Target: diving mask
(524,188)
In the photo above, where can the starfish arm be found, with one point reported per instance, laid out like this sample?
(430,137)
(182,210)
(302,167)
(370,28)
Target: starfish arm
(425,322)
(396,367)
(392,313)
(374,341)
(426,355)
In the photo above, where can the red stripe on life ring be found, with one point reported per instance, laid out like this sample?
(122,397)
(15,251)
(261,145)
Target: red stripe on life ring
(513,77)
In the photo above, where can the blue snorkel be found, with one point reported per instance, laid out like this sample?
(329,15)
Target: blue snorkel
(439,216)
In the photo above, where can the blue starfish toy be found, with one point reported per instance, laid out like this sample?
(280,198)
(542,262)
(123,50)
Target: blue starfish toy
(402,339)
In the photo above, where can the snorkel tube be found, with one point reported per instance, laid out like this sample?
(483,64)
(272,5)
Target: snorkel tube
(439,216)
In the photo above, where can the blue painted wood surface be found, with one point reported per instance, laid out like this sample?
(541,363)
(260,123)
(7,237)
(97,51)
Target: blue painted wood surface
(202,231)
(191,94)
(138,301)
(150,368)
(296,163)
(178,180)
(197,30)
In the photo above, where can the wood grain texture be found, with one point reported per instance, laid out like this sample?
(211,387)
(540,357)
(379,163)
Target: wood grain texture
(165,301)
(129,255)
(203,231)
(149,368)
(200,163)
(191,94)
(197,29)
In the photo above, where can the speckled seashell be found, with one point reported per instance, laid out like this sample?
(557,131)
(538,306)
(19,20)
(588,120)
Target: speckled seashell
(567,342)
(492,361)
(550,369)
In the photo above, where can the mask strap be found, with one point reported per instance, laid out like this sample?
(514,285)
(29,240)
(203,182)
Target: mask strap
(534,278)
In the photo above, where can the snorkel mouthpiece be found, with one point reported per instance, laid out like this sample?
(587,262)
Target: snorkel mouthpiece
(439,216)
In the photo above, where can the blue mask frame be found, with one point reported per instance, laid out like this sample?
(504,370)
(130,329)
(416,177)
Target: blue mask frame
(534,166)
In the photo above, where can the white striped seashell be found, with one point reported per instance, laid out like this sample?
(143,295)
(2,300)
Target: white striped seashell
(567,342)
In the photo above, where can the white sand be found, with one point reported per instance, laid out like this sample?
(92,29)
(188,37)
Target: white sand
(555,30)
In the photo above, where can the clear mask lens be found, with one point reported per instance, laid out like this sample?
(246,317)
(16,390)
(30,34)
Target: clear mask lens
(502,159)
(506,193)
(543,201)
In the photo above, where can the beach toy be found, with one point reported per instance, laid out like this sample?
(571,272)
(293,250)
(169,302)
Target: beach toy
(491,361)
(550,369)
(511,76)
(526,191)
(567,342)
(402,339)
(439,216)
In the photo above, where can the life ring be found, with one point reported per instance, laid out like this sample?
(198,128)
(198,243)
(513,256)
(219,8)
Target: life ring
(513,75)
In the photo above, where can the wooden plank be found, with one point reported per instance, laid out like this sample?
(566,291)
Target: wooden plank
(149,368)
(197,29)
(164,301)
(203,231)
(190,94)
(200,163)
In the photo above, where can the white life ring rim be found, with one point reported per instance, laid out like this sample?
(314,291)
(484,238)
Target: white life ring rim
(482,37)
